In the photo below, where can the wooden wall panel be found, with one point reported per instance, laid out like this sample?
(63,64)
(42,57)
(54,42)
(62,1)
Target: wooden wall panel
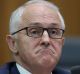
(69,8)
(71,13)
(6,7)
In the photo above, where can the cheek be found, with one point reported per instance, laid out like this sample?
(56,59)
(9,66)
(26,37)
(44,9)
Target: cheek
(28,44)
(25,49)
(23,44)
(57,44)
(33,43)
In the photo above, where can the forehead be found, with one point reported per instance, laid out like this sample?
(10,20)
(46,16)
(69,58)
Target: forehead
(40,14)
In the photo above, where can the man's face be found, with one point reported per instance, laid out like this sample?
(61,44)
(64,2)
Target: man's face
(43,51)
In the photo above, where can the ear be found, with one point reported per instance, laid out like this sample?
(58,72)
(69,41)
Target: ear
(11,43)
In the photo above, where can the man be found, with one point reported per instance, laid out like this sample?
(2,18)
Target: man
(35,39)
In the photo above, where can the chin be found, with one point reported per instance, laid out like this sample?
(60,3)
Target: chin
(48,62)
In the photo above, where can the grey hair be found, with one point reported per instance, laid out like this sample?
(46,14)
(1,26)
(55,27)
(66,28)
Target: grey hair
(16,15)
(15,19)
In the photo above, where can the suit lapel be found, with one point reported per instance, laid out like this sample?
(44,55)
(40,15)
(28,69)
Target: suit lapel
(13,69)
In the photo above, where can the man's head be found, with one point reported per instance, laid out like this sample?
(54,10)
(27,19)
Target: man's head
(36,35)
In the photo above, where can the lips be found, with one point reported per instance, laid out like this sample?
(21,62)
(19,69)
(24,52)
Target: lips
(47,52)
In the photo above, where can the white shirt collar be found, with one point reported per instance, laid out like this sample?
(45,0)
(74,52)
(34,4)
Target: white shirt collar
(22,70)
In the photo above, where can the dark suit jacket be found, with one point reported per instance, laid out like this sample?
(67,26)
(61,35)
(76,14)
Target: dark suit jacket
(10,68)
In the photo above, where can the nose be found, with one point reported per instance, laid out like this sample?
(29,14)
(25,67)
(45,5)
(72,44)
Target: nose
(45,40)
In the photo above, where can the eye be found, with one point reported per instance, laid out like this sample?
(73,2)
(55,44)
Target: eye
(34,31)
(53,31)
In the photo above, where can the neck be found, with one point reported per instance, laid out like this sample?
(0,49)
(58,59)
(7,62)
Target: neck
(41,71)
(37,70)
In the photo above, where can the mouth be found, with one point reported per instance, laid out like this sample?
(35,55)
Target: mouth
(46,51)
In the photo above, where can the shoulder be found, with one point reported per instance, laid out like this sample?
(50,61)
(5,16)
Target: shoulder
(5,69)
(60,70)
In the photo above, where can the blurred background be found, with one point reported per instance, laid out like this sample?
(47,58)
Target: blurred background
(70,10)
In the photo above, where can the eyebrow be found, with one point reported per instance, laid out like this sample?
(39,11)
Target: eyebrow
(56,25)
(35,24)
(53,24)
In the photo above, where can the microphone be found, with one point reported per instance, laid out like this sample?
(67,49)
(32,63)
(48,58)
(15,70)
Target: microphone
(75,70)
